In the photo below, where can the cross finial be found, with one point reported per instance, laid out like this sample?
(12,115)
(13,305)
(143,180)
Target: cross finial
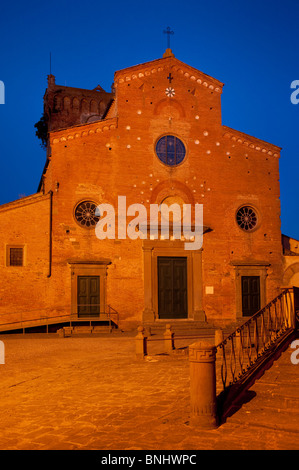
(168,32)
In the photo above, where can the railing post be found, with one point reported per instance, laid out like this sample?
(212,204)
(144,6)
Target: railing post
(238,342)
(202,358)
(168,339)
(291,310)
(219,337)
(141,343)
(2,353)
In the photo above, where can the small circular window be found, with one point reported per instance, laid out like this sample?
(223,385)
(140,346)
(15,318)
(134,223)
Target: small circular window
(247,218)
(170,150)
(85,214)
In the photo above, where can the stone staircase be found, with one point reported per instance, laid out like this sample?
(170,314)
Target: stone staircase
(187,328)
(273,401)
(181,330)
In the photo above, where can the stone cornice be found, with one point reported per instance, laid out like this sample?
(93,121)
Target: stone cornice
(250,262)
(82,130)
(251,142)
(101,261)
(169,63)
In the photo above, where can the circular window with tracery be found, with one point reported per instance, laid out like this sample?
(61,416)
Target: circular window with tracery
(247,218)
(170,150)
(85,214)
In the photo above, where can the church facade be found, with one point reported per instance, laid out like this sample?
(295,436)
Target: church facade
(157,138)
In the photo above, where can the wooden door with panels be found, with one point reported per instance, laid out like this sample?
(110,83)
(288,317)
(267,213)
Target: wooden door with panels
(88,292)
(251,302)
(172,287)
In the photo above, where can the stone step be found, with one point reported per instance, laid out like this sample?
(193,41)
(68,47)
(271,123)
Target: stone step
(261,416)
(276,396)
(183,325)
(273,400)
(281,402)
(179,326)
(84,330)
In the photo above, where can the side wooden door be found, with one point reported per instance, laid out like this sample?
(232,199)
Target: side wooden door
(88,296)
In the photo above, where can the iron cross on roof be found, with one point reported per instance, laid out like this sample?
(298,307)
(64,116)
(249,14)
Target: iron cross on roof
(168,32)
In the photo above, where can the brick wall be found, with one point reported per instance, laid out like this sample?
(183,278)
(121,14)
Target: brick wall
(223,170)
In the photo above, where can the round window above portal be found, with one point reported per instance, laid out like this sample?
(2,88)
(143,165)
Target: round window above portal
(170,150)
(85,214)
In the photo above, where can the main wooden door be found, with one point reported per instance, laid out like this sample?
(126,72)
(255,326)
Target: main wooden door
(88,296)
(250,295)
(172,287)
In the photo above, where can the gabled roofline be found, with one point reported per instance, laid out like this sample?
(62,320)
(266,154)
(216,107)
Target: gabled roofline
(290,238)
(100,122)
(170,59)
(248,140)
(23,201)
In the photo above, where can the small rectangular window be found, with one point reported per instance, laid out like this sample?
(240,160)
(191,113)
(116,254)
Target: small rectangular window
(16,256)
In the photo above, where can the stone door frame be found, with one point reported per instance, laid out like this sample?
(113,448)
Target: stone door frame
(88,268)
(249,268)
(152,249)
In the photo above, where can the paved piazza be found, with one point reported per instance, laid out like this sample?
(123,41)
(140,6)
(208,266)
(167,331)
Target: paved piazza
(91,393)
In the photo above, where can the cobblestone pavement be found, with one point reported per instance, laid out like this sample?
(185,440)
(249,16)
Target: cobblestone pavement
(91,393)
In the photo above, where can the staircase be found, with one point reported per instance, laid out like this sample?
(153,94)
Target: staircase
(273,401)
(181,327)
(245,355)
(196,329)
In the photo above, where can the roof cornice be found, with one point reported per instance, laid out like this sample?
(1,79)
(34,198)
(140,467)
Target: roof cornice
(251,142)
(82,130)
(24,201)
(159,65)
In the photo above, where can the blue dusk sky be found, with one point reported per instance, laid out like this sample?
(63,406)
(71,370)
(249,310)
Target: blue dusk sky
(250,46)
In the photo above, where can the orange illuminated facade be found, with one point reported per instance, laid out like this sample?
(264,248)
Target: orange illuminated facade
(157,137)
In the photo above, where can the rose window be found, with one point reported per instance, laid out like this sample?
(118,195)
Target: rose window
(247,218)
(85,214)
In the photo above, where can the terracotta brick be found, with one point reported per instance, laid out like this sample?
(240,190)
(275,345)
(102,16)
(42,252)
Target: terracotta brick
(115,156)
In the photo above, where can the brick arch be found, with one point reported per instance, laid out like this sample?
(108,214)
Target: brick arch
(166,104)
(57,101)
(93,106)
(171,188)
(67,102)
(84,105)
(289,273)
(76,103)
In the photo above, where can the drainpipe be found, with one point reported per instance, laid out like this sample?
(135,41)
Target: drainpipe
(50,234)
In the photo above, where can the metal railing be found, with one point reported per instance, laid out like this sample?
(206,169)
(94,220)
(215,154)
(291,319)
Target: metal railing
(112,313)
(243,351)
(24,320)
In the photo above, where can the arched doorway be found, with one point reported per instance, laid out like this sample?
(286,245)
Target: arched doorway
(291,275)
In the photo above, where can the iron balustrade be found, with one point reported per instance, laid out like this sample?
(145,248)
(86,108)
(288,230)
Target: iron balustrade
(239,353)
